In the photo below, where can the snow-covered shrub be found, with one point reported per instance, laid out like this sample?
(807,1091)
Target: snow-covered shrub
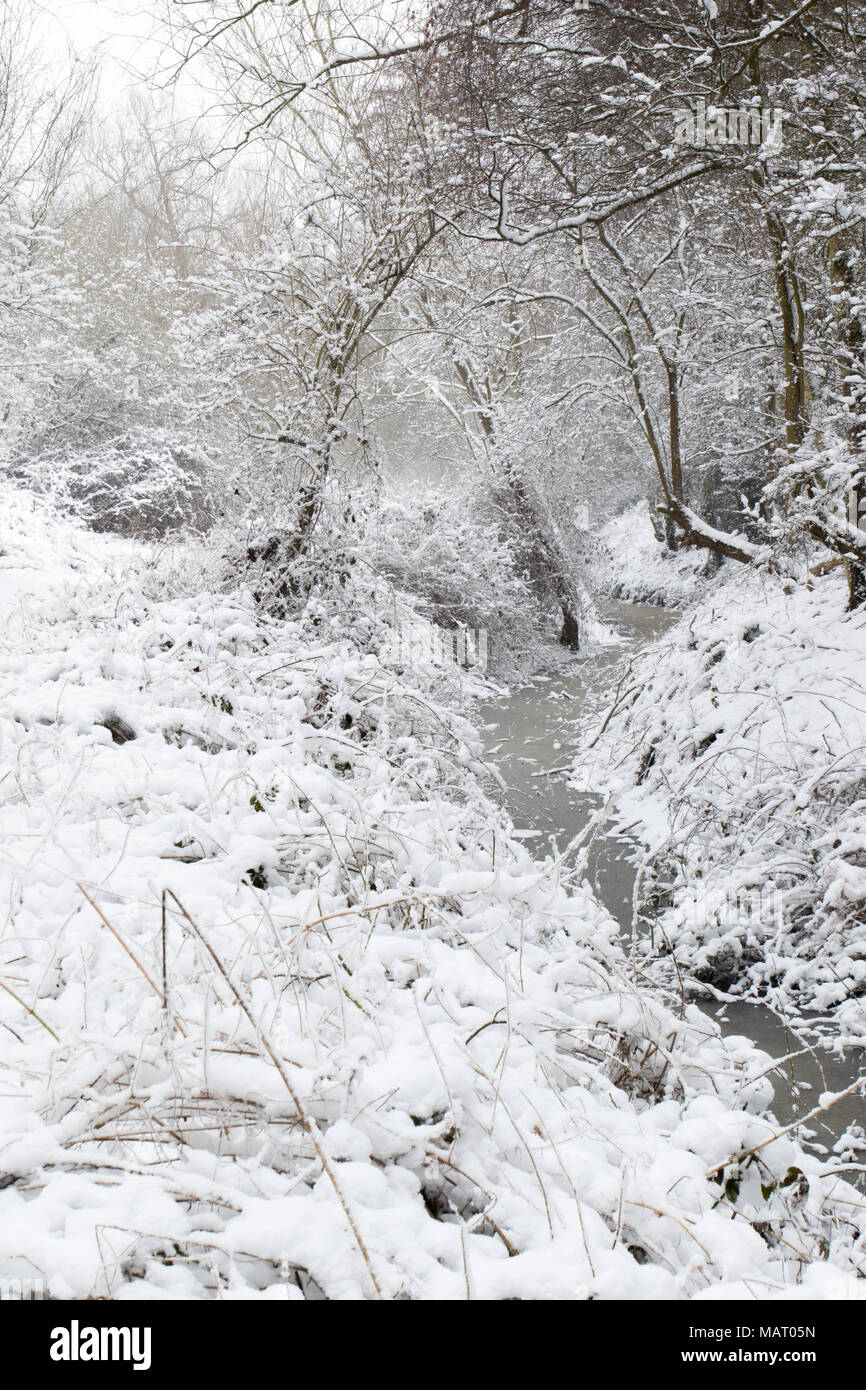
(811,488)
(108,417)
(133,482)
(449,552)
(289,1011)
(744,735)
(441,557)
(727,493)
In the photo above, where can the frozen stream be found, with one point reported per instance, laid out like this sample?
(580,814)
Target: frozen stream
(530,736)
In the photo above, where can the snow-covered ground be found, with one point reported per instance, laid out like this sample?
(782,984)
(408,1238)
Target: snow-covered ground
(740,746)
(634,566)
(286,1010)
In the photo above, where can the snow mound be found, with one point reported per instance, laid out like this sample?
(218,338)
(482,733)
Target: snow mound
(288,1013)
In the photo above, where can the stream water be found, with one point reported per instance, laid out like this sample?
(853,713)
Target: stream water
(531,736)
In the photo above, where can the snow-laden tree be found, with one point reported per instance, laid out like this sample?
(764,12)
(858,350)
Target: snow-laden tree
(478,345)
(42,118)
(294,306)
(560,121)
(581,124)
(108,422)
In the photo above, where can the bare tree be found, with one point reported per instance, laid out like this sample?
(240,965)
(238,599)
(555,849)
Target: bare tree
(43,116)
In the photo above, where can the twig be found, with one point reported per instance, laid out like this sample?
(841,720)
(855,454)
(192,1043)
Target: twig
(32,1012)
(119,939)
(613,707)
(132,956)
(812,1115)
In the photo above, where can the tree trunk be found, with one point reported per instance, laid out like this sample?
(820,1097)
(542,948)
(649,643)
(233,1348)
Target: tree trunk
(546,552)
(856,576)
(671,537)
(570,634)
(796,394)
(855,572)
(852,364)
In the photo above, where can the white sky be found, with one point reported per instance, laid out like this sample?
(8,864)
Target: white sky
(125,32)
(122,26)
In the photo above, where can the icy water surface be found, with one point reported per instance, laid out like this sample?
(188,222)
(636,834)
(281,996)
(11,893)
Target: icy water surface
(531,736)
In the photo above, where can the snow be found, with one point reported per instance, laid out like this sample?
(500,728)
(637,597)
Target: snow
(743,735)
(281,1023)
(635,567)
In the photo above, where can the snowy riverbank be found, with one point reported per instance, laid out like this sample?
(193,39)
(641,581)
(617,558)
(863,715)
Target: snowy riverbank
(634,567)
(738,746)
